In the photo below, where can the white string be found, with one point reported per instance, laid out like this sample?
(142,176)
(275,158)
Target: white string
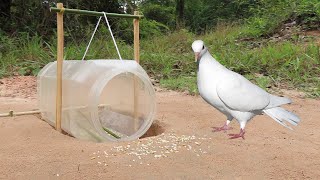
(94,32)
(114,41)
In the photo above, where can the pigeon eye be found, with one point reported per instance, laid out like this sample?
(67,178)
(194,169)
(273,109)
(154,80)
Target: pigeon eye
(202,47)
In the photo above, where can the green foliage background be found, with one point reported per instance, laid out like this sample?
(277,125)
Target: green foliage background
(248,36)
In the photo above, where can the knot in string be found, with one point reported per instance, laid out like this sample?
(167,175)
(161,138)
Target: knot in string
(62,10)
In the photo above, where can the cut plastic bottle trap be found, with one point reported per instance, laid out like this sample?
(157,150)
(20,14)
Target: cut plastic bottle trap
(97,100)
(102,99)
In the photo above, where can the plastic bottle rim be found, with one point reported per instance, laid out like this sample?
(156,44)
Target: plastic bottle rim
(96,92)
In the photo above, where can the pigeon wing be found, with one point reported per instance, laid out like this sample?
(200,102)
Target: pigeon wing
(240,94)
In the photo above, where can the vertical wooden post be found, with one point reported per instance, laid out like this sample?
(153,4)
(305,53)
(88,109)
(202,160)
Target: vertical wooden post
(136,38)
(136,45)
(59,67)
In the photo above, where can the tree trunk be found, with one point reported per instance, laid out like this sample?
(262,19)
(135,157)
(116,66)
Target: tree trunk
(179,14)
(5,14)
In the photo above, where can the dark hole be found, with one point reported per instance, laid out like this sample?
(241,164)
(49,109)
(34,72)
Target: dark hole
(155,129)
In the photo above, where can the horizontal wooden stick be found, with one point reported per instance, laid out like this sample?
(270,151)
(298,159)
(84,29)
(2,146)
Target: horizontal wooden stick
(94,13)
(11,113)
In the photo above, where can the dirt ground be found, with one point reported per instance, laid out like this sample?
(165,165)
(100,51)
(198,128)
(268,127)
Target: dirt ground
(179,145)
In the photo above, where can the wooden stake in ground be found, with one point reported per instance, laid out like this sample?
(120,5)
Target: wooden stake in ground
(136,45)
(59,66)
(136,38)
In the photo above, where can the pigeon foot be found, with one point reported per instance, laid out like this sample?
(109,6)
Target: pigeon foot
(234,136)
(224,128)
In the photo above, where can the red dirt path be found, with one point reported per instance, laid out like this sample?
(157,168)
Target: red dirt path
(32,149)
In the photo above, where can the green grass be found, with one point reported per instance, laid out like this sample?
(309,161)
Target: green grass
(286,64)
(292,64)
(184,83)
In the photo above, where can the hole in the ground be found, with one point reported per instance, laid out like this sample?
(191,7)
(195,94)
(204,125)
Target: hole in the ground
(155,129)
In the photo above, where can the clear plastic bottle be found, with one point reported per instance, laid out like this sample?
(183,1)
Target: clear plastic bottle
(102,100)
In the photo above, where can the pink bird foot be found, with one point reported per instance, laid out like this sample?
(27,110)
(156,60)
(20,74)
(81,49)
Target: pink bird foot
(224,128)
(234,136)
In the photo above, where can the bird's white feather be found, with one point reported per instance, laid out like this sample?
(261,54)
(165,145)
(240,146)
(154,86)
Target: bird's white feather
(281,116)
(240,94)
(234,95)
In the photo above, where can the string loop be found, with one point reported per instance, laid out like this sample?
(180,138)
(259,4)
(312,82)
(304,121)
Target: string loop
(109,28)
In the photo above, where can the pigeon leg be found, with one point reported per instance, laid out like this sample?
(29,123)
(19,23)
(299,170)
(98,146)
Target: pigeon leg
(241,134)
(224,128)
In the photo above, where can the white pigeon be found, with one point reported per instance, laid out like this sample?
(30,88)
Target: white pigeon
(234,95)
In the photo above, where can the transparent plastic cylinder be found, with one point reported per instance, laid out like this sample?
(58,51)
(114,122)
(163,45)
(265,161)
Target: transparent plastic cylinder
(102,100)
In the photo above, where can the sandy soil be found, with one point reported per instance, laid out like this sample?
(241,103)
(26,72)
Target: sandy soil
(180,144)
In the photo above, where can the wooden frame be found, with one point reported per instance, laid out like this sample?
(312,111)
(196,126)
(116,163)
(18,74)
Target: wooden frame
(60,11)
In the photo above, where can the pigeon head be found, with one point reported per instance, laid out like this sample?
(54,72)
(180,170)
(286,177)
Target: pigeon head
(199,49)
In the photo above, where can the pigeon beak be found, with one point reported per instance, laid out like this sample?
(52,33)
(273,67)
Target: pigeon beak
(196,56)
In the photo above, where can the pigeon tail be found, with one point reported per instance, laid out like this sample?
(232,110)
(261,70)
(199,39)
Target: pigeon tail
(281,115)
(276,101)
